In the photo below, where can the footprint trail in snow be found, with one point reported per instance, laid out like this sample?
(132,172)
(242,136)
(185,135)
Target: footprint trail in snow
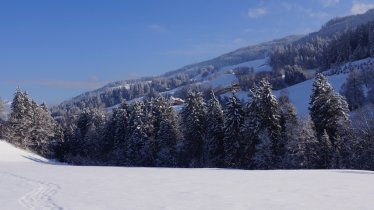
(39,198)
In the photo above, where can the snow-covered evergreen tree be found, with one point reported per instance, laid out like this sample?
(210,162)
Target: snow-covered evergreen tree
(194,128)
(287,111)
(234,119)
(17,128)
(45,133)
(362,151)
(116,133)
(138,143)
(167,137)
(215,133)
(263,116)
(329,112)
(270,119)
(86,144)
(302,145)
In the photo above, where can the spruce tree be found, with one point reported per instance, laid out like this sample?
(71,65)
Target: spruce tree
(168,134)
(194,127)
(234,119)
(45,133)
(116,133)
(264,117)
(270,120)
(86,145)
(17,128)
(138,143)
(329,112)
(167,137)
(215,133)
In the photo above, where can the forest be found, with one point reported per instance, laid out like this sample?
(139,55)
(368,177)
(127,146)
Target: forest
(265,133)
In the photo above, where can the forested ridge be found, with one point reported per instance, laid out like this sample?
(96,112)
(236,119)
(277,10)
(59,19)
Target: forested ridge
(264,133)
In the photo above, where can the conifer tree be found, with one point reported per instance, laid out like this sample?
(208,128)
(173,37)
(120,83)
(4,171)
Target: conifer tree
(167,138)
(194,127)
(138,143)
(45,133)
(215,133)
(116,133)
(263,117)
(234,119)
(17,128)
(329,112)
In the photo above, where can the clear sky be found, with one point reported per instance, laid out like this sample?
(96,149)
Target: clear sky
(57,49)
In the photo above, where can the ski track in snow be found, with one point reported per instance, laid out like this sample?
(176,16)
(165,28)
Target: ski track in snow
(39,198)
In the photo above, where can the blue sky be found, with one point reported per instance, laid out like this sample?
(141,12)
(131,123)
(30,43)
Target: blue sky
(58,49)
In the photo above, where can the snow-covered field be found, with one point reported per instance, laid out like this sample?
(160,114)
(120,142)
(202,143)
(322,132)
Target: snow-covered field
(28,181)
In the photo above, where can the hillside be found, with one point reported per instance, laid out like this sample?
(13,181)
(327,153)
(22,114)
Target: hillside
(34,184)
(215,73)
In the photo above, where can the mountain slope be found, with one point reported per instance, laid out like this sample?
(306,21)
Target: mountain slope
(216,73)
(340,24)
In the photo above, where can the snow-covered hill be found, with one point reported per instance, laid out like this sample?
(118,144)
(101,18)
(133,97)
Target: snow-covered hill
(28,181)
(9,153)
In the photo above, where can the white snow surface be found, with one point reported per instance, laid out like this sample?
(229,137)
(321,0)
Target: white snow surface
(28,184)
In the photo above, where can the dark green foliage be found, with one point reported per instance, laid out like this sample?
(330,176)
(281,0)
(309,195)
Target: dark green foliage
(215,133)
(194,127)
(329,113)
(234,119)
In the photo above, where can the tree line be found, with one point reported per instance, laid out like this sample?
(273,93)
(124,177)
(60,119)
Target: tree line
(264,133)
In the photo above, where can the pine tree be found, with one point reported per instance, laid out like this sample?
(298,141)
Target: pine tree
(287,111)
(138,152)
(86,145)
(234,119)
(194,127)
(17,129)
(252,126)
(362,151)
(159,109)
(45,134)
(270,120)
(263,117)
(329,112)
(302,145)
(215,133)
(289,126)
(116,133)
(167,138)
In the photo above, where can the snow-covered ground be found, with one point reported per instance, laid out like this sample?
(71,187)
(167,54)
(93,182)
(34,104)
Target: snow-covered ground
(28,181)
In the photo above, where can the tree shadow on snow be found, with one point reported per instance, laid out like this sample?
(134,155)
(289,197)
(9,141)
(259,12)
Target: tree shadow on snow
(38,160)
(356,172)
